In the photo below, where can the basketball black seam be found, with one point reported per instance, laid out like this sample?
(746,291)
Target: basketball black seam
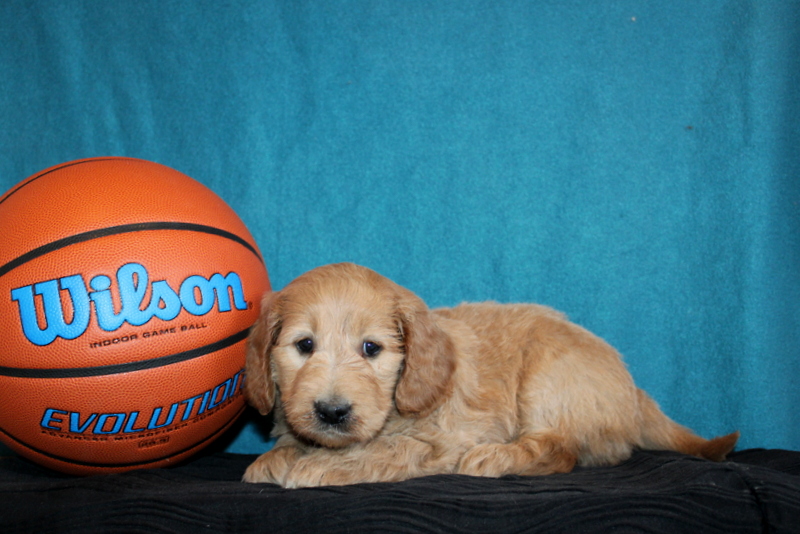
(101,370)
(197,445)
(123,229)
(54,169)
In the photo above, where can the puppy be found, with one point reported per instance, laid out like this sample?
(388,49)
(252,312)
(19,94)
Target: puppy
(367,384)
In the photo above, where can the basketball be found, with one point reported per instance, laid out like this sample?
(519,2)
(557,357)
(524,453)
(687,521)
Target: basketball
(126,293)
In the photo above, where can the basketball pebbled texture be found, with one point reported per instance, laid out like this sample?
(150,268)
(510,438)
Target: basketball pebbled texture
(126,293)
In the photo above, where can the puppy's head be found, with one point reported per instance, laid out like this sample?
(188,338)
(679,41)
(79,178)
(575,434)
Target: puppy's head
(343,347)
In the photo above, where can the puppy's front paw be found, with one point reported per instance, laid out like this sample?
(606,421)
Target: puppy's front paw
(273,466)
(320,470)
(488,460)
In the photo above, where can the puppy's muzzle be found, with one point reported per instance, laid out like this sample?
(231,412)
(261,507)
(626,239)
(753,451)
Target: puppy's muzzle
(334,413)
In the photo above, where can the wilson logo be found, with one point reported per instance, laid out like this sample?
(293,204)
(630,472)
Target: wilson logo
(196,294)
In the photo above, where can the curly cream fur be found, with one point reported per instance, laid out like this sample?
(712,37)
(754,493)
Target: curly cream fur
(480,389)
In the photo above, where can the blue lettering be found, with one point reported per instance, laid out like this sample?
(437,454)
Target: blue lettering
(165,303)
(203,403)
(132,421)
(126,423)
(132,281)
(49,418)
(100,427)
(189,293)
(168,421)
(75,422)
(236,381)
(107,318)
(223,397)
(56,324)
(189,406)
(225,287)
(196,295)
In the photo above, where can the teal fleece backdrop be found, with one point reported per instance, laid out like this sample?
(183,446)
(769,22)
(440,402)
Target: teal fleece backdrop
(635,164)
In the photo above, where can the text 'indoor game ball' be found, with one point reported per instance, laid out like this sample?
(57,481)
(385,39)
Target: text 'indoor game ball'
(126,293)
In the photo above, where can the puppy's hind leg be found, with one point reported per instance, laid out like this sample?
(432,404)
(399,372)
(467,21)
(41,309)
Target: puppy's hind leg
(539,453)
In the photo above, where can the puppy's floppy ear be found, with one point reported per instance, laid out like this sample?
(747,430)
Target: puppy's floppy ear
(259,386)
(426,378)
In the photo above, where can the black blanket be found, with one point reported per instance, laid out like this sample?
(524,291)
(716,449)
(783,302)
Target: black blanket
(755,491)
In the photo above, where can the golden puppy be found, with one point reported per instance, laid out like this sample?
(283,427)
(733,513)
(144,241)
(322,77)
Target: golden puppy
(370,385)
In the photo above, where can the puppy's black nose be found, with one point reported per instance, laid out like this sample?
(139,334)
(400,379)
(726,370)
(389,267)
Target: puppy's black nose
(332,413)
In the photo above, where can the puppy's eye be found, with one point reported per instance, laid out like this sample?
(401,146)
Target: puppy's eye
(371,349)
(305,345)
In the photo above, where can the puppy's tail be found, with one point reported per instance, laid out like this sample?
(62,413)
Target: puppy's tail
(659,432)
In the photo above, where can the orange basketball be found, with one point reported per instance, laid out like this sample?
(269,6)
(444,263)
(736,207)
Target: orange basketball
(126,293)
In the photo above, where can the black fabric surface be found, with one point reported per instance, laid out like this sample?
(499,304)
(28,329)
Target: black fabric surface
(755,491)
